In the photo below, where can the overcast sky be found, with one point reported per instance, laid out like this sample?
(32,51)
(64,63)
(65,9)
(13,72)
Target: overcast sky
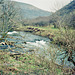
(48,5)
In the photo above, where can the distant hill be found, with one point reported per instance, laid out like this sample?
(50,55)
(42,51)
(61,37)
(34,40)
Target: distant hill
(65,16)
(67,9)
(28,11)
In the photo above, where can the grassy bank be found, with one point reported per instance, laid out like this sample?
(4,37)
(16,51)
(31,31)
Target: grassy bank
(43,31)
(28,64)
(25,64)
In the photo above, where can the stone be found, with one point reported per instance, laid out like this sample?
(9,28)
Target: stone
(2,43)
(31,50)
(12,50)
(25,42)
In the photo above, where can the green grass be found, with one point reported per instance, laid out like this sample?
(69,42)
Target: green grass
(25,63)
(47,30)
(51,29)
(58,71)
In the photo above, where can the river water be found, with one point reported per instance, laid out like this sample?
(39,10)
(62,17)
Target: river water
(41,46)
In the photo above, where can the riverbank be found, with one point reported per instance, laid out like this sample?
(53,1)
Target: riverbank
(25,64)
(50,32)
(57,36)
(42,31)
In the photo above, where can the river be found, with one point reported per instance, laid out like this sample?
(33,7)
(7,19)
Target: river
(41,46)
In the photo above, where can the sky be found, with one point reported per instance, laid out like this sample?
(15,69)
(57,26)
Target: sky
(48,5)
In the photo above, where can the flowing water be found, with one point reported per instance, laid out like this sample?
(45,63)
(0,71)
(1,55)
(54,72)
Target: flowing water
(28,42)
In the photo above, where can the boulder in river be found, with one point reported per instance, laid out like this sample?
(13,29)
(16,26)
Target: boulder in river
(30,50)
(24,42)
(3,43)
(10,42)
(12,50)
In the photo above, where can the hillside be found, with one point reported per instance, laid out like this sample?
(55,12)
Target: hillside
(65,16)
(67,9)
(28,11)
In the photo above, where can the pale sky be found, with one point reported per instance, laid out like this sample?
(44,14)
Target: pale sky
(48,5)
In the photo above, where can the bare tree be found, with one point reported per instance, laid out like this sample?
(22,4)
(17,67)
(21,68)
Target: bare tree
(6,17)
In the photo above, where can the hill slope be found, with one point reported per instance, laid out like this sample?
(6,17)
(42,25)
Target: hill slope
(28,11)
(64,16)
(67,9)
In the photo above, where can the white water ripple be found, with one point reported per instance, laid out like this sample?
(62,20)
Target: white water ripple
(12,32)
